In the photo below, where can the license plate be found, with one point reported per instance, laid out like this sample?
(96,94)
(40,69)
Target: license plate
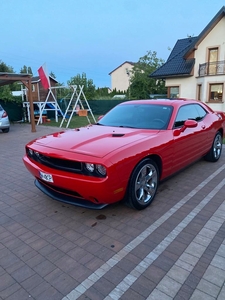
(46,177)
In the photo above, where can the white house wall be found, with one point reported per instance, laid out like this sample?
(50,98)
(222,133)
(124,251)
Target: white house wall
(215,38)
(120,77)
(188,86)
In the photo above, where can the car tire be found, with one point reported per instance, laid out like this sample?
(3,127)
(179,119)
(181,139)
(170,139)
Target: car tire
(215,152)
(143,184)
(5,130)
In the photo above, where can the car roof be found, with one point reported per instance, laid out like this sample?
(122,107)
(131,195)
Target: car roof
(172,102)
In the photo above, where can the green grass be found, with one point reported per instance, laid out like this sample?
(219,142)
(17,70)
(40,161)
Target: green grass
(75,122)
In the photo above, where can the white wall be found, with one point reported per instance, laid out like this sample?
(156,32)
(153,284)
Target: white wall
(120,78)
(188,86)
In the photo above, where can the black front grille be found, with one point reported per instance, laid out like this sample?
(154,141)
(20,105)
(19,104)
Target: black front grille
(55,163)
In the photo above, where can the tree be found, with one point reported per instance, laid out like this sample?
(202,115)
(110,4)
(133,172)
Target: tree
(5,90)
(52,75)
(102,93)
(141,85)
(89,87)
(5,68)
(26,70)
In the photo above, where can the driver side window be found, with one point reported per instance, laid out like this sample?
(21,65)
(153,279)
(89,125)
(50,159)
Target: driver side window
(189,112)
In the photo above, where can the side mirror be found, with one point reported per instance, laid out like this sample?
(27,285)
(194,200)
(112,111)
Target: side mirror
(187,124)
(99,118)
(190,124)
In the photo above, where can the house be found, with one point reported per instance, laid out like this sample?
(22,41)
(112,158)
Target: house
(195,67)
(120,77)
(38,92)
(39,97)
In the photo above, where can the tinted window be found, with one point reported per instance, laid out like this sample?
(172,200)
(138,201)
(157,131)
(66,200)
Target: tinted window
(201,111)
(145,116)
(189,112)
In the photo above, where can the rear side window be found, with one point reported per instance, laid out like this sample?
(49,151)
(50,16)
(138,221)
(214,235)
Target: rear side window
(1,108)
(189,112)
(201,111)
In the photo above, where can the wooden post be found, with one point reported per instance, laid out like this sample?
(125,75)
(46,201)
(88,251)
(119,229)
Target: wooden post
(29,88)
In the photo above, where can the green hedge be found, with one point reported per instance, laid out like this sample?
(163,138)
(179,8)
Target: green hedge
(101,107)
(98,107)
(14,110)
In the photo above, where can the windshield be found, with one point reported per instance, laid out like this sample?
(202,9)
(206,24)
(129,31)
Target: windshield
(141,116)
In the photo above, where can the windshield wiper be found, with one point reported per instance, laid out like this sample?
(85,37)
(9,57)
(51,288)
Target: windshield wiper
(126,126)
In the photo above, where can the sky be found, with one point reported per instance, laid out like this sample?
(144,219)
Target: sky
(95,36)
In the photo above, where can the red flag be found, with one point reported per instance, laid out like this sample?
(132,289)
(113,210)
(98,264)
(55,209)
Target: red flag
(43,74)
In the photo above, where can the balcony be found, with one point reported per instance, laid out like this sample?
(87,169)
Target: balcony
(212,68)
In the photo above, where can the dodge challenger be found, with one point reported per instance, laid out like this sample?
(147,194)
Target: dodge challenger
(126,154)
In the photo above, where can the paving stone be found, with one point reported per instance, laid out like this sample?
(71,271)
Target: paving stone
(199,295)
(208,288)
(168,251)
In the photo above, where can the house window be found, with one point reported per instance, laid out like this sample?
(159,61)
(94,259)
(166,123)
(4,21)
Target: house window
(212,60)
(199,91)
(173,92)
(33,87)
(216,92)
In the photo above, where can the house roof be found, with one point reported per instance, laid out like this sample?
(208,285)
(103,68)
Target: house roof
(126,62)
(37,79)
(176,65)
(206,30)
(180,63)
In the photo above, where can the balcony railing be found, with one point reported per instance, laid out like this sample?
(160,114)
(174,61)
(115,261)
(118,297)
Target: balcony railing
(212,68)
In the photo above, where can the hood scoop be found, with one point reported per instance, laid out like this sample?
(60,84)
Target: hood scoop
(118,134)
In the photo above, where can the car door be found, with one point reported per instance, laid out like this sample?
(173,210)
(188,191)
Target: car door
(189,145)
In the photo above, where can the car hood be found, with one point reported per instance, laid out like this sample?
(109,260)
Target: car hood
(94,140)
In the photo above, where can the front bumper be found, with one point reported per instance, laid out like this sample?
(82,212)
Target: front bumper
(77,189)
(63,197)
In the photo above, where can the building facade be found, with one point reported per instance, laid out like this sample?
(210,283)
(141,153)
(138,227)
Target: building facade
(195,68)
(120,77)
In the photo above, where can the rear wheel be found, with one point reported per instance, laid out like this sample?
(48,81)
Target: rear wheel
(143,184)
(215,152)
(5,130)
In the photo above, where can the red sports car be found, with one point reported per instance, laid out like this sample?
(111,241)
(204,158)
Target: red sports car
(127,153)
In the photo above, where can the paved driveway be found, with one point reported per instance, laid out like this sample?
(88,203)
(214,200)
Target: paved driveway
(175,249)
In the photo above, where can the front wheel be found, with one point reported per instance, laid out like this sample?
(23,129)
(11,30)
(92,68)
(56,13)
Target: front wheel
(143,184)
(215,152)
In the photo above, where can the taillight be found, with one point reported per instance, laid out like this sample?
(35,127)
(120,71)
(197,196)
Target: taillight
(4,114)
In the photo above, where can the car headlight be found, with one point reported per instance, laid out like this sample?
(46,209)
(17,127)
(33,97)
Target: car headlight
(95,169)
(90,167)
(101,169)
(31,152)
(36,153)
